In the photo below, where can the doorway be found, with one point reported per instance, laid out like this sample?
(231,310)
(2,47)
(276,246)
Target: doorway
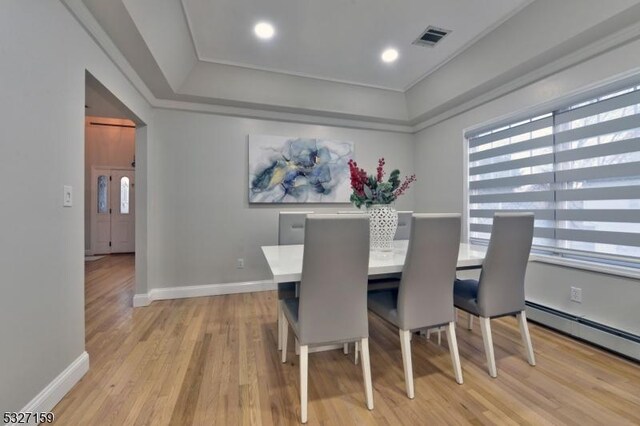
(109,185)
(114,201)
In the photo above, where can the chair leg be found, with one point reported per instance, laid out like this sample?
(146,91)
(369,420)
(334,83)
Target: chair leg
(366,372)
(279,325)
(450,329)
(285,335)
(439,336)
(405,345)
(345,348)
(485,326)
(526,338)
(470,324)
(297,345)
(356,353)
(304,376)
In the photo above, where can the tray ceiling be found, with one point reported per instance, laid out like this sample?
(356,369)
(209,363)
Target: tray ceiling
(341,40)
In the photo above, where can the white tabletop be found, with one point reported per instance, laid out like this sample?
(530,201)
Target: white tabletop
(285,262)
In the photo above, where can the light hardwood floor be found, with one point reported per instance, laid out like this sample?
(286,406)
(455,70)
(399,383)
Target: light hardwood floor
(213,360)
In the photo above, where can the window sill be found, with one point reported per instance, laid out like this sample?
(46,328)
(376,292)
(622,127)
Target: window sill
(619,271)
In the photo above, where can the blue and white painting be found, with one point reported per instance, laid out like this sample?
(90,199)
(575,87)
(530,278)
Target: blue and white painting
(298,170)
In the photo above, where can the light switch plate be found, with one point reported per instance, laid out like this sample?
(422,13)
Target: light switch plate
(67,200)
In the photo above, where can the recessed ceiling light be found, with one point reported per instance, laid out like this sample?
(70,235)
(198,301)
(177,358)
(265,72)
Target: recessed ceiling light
(264,30)
(389,55)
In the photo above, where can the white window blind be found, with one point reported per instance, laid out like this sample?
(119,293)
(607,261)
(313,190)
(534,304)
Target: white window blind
(576,168)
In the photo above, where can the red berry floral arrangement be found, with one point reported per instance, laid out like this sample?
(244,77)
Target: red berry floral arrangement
(371,189)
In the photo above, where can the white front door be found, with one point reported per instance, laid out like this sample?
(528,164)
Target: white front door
(112,211)
(123,235)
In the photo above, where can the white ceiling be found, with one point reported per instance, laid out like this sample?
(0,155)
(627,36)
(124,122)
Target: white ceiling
(341,40)
(497,44)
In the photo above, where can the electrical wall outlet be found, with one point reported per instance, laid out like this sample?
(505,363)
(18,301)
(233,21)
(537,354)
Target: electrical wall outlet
(576,294)
(240,263)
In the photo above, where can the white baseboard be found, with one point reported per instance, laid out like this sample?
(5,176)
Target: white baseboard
(201,290)
(59,387)
(140,300)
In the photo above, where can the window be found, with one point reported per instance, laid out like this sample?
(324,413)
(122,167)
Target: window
(124,195)
(576,168)
(103,196)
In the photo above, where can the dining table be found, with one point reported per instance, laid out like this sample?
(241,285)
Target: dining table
(285,261)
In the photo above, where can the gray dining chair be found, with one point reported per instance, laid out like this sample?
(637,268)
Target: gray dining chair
(290,232)
(500,289)
(404,226)
(424,298)
(332,304)
(291,227)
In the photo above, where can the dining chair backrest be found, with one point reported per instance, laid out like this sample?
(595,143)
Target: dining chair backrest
(404,226)
(501,284)
(333,288)
(425,295)
(291,228)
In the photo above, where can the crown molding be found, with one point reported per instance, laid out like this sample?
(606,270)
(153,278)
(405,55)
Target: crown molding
(288,117)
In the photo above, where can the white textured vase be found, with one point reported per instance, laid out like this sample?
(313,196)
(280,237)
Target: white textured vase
(383,222)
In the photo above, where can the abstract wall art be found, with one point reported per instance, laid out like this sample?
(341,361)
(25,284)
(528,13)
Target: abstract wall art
(298,170)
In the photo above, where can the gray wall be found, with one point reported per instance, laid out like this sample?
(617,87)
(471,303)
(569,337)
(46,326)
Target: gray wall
(440,161)
(200,221)
(45,53)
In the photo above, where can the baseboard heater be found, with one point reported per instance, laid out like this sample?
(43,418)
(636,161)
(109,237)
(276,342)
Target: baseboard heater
(612,339)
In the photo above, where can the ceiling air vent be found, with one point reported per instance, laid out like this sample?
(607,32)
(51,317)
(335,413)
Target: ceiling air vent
(431,36)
